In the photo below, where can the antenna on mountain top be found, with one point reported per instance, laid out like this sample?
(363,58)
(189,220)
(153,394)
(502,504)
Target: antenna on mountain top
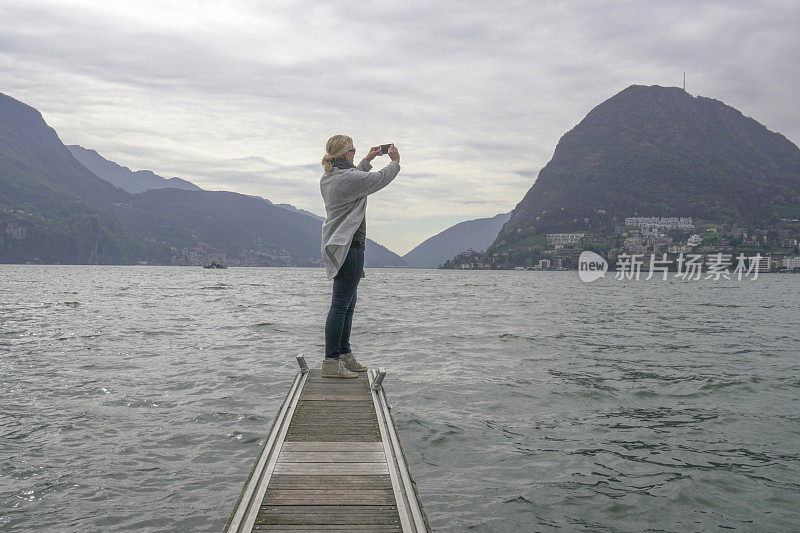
(684,81)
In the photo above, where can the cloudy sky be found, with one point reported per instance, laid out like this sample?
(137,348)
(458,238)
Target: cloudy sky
(242,95)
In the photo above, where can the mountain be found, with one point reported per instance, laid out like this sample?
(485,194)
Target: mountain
(55,210)
(123,177)
(658,151)
(52,208)
(376,255)
(240,229)
(477,234)
(292,208)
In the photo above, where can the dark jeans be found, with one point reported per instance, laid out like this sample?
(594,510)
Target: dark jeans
(343,303)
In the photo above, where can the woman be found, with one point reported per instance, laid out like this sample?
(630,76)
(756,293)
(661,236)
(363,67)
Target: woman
(345,188)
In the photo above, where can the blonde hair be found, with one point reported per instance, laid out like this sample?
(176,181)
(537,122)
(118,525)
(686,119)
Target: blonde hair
(335,147)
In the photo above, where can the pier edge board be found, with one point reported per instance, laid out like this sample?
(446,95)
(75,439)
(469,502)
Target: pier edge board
(247,483)
(380,401)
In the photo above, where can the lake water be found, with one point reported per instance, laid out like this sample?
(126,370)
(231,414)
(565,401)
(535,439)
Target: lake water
(136,398)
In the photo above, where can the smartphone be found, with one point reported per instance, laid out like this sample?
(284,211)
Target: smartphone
(385,148)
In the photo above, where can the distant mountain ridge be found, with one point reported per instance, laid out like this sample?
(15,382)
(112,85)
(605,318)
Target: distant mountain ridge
(123,177)
(477,234)
(658,151)
(290,207)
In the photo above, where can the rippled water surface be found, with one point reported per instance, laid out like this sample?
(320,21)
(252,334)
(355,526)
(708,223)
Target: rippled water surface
(136,398)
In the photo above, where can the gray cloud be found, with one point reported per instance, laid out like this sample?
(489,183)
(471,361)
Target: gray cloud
(242,96)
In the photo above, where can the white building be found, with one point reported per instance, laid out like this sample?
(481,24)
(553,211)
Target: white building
(791,262)
(659,240)
(684,223)
(633,242)
(761,263)
(564,238)
(694,240)
(678,249)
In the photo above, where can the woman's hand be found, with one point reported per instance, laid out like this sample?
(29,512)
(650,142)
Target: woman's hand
(394,155)
(374,152)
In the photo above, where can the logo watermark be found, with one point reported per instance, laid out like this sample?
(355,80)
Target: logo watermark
(592,266)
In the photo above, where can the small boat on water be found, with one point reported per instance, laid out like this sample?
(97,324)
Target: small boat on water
(214,264)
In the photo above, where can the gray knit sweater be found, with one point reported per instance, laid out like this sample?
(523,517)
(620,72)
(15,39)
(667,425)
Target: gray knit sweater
(345,193)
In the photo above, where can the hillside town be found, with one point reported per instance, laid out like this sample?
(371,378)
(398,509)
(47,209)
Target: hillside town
(648,238)
(202,253)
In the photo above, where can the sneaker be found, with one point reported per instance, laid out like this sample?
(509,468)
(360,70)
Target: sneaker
(334,368)
(351,364)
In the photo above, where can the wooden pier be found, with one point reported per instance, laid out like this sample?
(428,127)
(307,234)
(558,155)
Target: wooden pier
(332,461)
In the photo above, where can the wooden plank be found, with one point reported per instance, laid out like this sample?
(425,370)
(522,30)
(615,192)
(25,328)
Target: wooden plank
(328,514)
(356,390)
(327,527)
(360,380)
(328,469)
(334,406)
(343,482)
(358,399)
(315,376)
(317,379)
(334,425)
(360,383)
(324,446)
(334,396)
(342,437)
(334,417)
(322,429)
(334,421)
(326,396)
(348,387)
(343,456)
(338,426)
(312,426)
(336,390)
(329,497)
(336,411)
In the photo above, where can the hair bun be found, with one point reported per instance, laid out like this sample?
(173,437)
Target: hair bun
(335,147)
